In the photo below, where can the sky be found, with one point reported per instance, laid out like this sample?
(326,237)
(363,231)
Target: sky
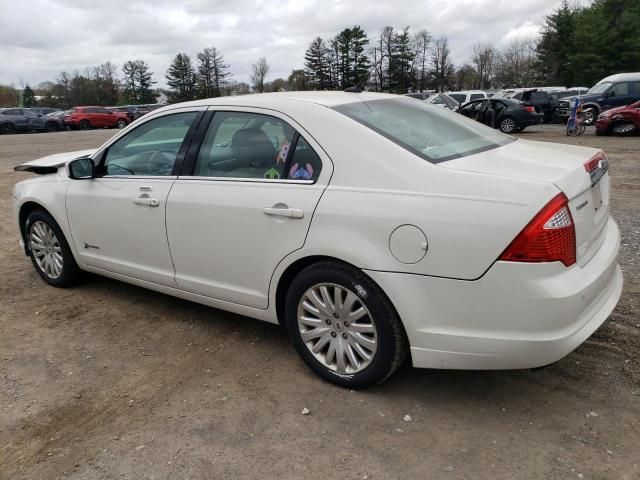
(41,38)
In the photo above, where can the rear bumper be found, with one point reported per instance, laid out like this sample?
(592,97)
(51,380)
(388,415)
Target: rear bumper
(517,315)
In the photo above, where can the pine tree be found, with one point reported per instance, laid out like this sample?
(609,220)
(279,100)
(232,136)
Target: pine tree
(181,79)
(401,63)
(317,64)
(138,82)
(555,45)
(212,73)
(28,97)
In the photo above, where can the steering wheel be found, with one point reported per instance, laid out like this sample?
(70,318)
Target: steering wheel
(161,161)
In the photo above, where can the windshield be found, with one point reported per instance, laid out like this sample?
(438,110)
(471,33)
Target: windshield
(429,132)
(600,88)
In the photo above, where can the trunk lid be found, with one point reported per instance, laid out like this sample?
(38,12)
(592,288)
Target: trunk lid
(562,165)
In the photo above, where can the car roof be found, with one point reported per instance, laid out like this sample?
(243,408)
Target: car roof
(327,99)
(620,77)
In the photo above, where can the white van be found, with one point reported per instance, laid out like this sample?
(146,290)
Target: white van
(465,96)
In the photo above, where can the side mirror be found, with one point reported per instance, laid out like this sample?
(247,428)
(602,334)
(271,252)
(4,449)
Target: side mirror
(81,169)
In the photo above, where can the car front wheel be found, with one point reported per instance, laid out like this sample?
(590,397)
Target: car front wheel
(49,250)
(589,116)
(344,326)
(121,124)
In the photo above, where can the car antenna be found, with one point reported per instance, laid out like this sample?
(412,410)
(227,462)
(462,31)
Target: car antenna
(354,89)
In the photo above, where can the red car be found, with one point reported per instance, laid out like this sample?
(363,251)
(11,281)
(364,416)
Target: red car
(619,121)
(85,118)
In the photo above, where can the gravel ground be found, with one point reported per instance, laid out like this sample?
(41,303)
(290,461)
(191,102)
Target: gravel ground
(108,380)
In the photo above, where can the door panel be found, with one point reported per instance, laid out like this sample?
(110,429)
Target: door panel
(248,207)
(116,226)
(225,245)
(118,219)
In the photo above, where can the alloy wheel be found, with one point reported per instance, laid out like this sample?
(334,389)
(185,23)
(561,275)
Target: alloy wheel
(507,125)
(624,128)
(46,249)
(337,328)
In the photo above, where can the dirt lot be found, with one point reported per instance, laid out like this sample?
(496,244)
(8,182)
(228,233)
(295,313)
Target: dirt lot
(110,381)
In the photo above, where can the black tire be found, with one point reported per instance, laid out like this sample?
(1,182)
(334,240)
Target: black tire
(120,124)
(590,115)
(51,127)
(70,273)
(624,129)
(84,125)
(508,125)
(392,344)
(7,129)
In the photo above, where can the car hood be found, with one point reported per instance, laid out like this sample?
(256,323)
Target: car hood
(50,163)
(562,165)
(613,111)
(583,98)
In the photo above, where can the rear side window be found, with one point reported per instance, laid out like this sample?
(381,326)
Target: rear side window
(475,96)
(459,97)
(429,132)
(305,163)
(243,145)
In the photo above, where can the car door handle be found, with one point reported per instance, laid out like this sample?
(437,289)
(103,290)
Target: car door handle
(147,201)
(284,212)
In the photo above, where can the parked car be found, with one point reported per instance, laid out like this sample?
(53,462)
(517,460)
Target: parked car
(466,96)
(509,116)
(14,120)
(443,100)
(539,100)
(44,110)
(610,92)
(86,118)
(372,226)
(133,112)
(619,121)
(418,95)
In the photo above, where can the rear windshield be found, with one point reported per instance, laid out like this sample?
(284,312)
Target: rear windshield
(430,132)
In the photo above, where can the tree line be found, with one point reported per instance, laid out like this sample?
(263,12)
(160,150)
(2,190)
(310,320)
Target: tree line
(578,45)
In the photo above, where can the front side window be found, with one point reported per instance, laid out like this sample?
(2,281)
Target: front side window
(431,133)
(475,96)
(459,97)
(151,149)
(620,89)
(245,145)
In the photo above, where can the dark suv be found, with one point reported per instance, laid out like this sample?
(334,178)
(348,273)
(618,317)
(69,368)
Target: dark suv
(611,92)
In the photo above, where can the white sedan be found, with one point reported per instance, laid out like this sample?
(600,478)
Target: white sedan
(372,226)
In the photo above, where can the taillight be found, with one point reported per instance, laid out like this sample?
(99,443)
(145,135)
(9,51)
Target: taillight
(549,237)
(530,109)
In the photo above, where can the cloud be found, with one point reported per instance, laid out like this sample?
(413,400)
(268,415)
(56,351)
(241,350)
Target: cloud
(40,38)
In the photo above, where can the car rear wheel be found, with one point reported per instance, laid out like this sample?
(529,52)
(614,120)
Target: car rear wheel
(49,250)
(343,325)
(508,125)
(624,128)
(51,127)
(84,125)
(121,124)
(7,129)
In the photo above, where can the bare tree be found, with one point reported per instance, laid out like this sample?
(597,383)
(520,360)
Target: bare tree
(422,40)
(441,62)
(516,64)
(483,59)
(260,70)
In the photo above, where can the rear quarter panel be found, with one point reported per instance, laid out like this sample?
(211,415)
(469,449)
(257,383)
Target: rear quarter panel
(468,218)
